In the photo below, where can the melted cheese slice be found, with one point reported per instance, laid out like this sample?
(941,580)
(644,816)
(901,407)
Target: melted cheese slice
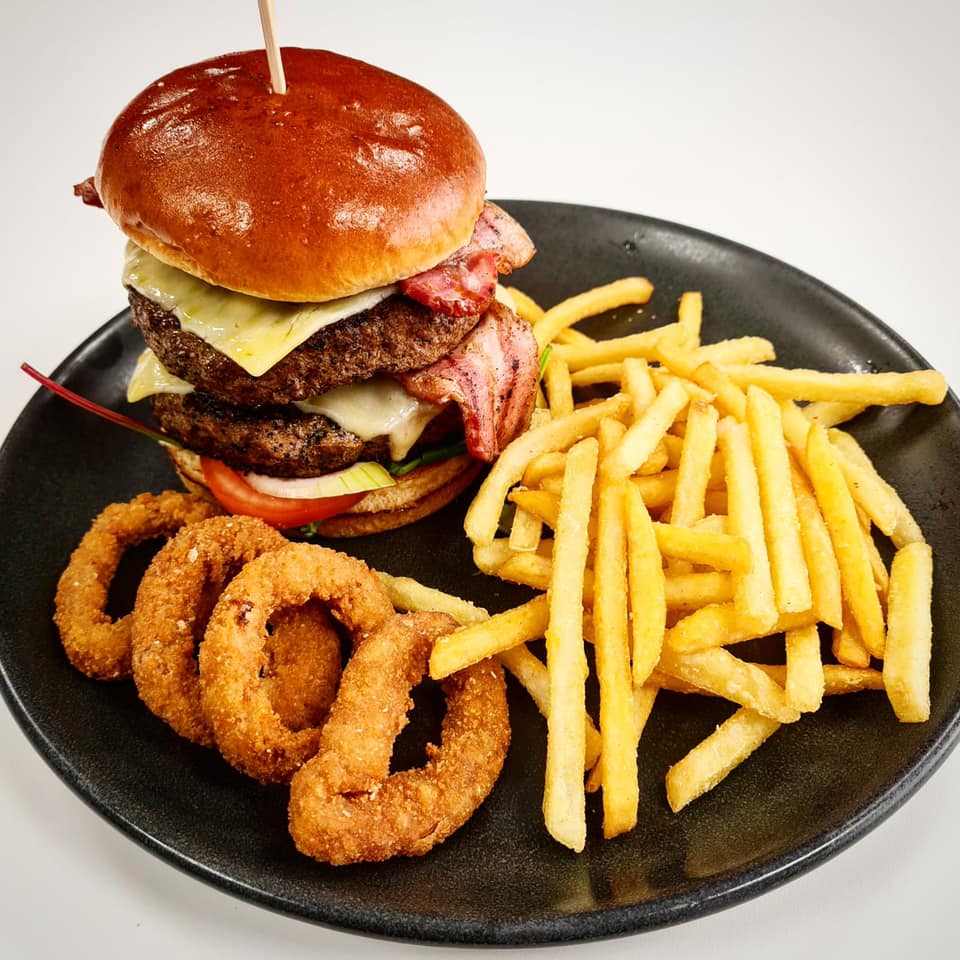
(254,333)
(150,376)
(376,408)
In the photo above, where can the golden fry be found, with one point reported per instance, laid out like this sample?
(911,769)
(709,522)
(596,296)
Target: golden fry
(563,797)
(721,673)
(781,524)
(648,606)
(483,514)
(753,595)
(642,437)
(804,681)
(906,667)
(590,303)
(713,758)
(536,680)
(882,389)
(477,641)
(848,540)
(611,649)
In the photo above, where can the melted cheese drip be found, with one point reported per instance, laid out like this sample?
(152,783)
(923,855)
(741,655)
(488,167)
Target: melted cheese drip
(376,408)
(150,376)
(254,333)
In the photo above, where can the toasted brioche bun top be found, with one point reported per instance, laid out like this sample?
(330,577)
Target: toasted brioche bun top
(353,179)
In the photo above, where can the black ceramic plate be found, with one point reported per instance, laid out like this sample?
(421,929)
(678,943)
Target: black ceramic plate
(810,791)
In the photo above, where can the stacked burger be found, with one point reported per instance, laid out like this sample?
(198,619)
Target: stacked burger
(315,275)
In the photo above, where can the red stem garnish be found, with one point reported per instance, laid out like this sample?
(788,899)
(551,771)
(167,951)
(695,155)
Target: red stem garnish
(91,407)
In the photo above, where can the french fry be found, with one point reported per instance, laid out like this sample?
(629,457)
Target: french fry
(804,680)
(619,745)
(643,700)
(905,529)
(753,595)
(906,667)
(642,437)
(535,679)
(690,316)
(693,472)
(788,568)
(719,625)
(546,465)
(821,561)
(730,398)
(483,513)
(525,531)
(832,412)
(558,387)
(690,591)
(848,540)
(868,490)
(837,678)
(638,385)
(615,350)
(477,641)
(648,607)
(563,797)
(574,338)
(408,594)
(598,300)
(716,756)
(720,672)
(542,504)
(525,306)
(882,389)
(598,373)
(722,551)
(535,571)
(739,350)
(847,644)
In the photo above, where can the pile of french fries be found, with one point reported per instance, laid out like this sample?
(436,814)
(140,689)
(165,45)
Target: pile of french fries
(710,500)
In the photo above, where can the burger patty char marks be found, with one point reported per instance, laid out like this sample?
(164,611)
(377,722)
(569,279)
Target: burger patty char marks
(396,335)
(277,440)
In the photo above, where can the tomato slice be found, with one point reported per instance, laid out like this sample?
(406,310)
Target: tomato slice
(233,493)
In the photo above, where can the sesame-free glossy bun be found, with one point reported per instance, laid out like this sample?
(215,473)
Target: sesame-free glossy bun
(353,179)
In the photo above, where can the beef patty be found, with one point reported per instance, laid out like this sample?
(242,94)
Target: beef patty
(396,335)
(277,440)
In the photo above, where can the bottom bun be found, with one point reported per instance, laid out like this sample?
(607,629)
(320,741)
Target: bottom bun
(415,495)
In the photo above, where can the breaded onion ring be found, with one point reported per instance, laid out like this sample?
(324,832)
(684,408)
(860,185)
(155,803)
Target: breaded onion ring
(248,730)
(344,805)
(95,644)
(174,602)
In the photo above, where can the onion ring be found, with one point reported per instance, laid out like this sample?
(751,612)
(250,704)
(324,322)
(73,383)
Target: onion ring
(94,643)
(344,807)
(174,602)
(248,730)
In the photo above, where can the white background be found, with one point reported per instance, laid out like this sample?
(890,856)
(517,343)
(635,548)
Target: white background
(824,133)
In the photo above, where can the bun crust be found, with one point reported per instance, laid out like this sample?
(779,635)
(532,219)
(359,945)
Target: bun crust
(353,179)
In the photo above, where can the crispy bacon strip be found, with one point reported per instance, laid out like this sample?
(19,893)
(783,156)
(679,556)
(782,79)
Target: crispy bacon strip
(492,375)
(87,192)
(465,282)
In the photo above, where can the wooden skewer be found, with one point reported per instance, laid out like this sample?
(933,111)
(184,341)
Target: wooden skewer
(277,79)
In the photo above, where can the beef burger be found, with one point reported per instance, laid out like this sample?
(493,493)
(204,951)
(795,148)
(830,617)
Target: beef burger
(315,277)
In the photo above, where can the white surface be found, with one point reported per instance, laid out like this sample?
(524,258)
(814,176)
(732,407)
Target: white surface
(826,134)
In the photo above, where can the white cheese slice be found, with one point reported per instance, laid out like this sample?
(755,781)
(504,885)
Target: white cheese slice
(254,333)
(150,376)
(375,408)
